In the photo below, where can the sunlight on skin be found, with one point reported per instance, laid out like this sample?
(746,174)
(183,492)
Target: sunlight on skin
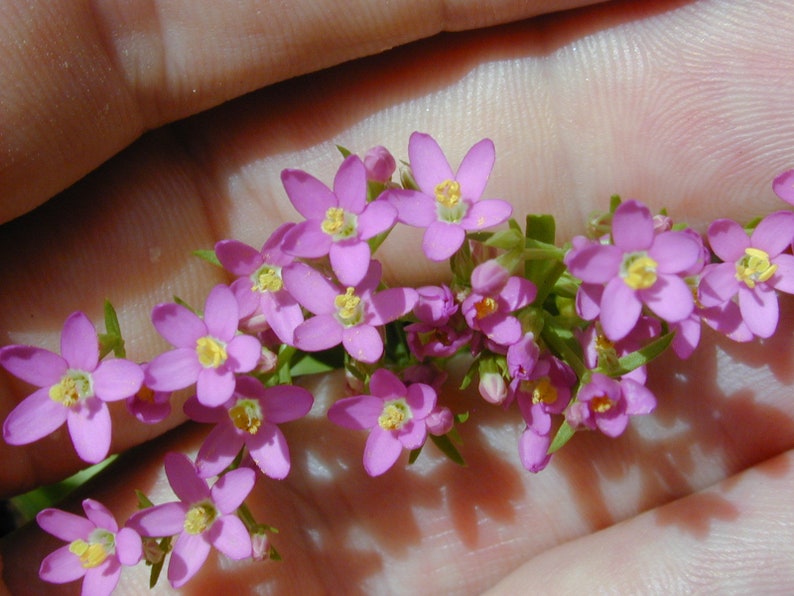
(669,103)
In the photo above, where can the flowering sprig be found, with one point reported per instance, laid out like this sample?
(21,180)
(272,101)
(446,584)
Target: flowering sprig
(562,335)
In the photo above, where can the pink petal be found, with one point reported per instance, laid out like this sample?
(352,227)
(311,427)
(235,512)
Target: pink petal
(283,314)
(783,279)
(356,413)
(214,386)
(533,450)
(173,370)
(79,343)
(116,379)
(268,449)
(128,546)
(385,384)
(588,301)
(198,412)
(414,208)
(230,536)
(518,292)
(167,519)
(727,239)
(759,308)
(350,185)
(783,185)
(389,305)
(363,342)
(313,290)
(103,578)
(687,337)
(285,403)
(247,299)
(639,399)
(350,261)
(184,480)
(381,451)
(244,352)
(219,449)
(318,333)
(61,566)
(378,217)
(670,298)
(221,313)
(504,330)
(612,426)
(34,417)
(413,434)
(308,195)
(595,263)
(272,252)
(371,280)
(620,309)
(36,366)
(178,325)
(442,240)
(475,169)
(190,552)
(422,399)
(718,284)
(428,163)
(674,251)
(238,258)
(632,227)
(308,240)
(64,525)
(89,427)
(99,515)
(232,489)
(486,214)
(774,233)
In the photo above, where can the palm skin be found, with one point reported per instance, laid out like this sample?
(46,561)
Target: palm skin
(683,105)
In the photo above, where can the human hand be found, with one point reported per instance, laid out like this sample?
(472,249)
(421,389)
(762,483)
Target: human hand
(681,105)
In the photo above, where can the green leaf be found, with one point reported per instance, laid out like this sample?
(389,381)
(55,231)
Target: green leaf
(143,501)
(344,151)
(644,355)
(317,362)
(542,228)
(209,256)
(563,435)
(614,203)
(448,448)
(414,454)
(112,339)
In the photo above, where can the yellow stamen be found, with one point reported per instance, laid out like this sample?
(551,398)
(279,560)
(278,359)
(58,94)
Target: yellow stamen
(542,391)
(601,404)
(73,386)
(267,280)
(246,415)
(347,305)
(448,193)
(199,518)
(754,267)
(485,307)
(640,271)
(145,394)
(395,414)
(91,554)
(334,220)
(211,352)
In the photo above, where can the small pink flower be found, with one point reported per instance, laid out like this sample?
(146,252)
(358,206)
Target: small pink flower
(349,316)
(96,552)
(428,340)
(339,222)
(396,414)
(606,404)
(448,204)
(203,517)
(600,352)
(149,406)
(533,449)
(754,268)
(209,351)
(379,164)
(249,418)
(435,304)
(73,388)
(544,392)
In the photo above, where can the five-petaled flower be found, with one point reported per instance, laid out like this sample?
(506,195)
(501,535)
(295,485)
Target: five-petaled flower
(73,388)
(209,351)
(447,204)
(396,414)
(203,517)
(96,552)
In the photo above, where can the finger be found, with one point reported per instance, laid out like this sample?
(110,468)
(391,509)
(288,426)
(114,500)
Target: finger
(81,80)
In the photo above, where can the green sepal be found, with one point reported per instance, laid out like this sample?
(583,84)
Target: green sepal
(644,355)
(181,302)
(542,228)
(317,362)
(563,435)
(208,255)
(473,369)
(274,555)
(344,151)
(111,340)
(407,180)
(447,447)
(414,454)
(143,501)
(614,203)
(505,239)
(165,546)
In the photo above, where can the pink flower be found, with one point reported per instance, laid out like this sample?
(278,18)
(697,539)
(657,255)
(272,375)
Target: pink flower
(348,316)
(640,267)
(783,185)
(259,287)
(379,164)
(96,551)
(448,204)
(73,388)
(339,222)
(533,449)
(754,268)
(546,391)
(208,352)
(249,418)
(395,413)
(435,304)
(149,406)
(606,404)
(204,517)
(600,352)
(430,340)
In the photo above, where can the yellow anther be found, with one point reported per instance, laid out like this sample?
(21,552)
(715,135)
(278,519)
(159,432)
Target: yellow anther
(267,280)
(72,386)
(334,220)
(199,518)
(485,307)
(395,414)
(754,267)
(601,404)
(347,305)
(639,271)
(211,352)
(145,394)
(606,354)
(543,391)
(448,193)
(91,554)
(246,415)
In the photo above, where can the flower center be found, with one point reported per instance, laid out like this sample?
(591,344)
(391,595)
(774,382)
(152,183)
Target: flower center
(395,414)
(145,394)
(247,415)
(211,352)
(339,223)
(348,307)
(543,392)
(485,307)
(101,544)
(638,271)
(199,518)
(267,279)
(754,267)
(601,404)
(448,193)
(606,355)
(73,386)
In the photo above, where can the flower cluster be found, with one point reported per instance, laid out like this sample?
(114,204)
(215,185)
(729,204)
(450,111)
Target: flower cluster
(562,335)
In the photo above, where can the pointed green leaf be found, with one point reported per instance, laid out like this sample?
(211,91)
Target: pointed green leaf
(448,448)
(563,435)
(644,355)
(344,151)
(209,256)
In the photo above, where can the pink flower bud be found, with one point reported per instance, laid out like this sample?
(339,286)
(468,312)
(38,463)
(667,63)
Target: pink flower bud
(493,387)
(379,164)
(260,546)
(439,421)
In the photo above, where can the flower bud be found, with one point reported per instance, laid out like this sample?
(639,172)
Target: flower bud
(493,387)
(439,421)
(260,546)
(379,164)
